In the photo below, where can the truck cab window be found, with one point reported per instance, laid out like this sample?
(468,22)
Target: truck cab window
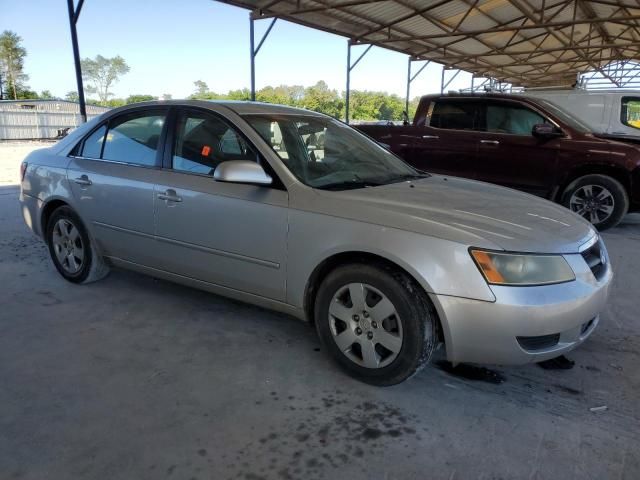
(456,115)
(511,119)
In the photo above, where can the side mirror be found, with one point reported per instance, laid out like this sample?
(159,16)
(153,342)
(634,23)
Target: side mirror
(545,130)
(241,171)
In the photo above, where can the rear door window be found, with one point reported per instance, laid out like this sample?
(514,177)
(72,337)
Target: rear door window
(630,112)
(134,138)
(511,118)
(457,115)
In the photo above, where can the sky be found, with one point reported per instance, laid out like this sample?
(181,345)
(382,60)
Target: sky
(169,44)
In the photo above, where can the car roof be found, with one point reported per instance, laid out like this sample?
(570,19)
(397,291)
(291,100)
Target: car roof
(238,106)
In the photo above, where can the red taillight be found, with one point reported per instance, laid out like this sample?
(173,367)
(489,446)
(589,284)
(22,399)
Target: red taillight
(23,170)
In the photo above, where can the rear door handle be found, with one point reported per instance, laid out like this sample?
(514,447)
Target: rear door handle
(427,137)
(170,196)
(490,142)
(83,180)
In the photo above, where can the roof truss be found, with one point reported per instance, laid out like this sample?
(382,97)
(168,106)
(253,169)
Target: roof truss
(524,42)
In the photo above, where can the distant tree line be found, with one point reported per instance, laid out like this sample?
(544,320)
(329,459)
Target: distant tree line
(364,105)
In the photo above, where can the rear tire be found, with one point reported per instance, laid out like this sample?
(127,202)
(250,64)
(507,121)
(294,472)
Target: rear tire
(376,323)
(599,199)
(72,252)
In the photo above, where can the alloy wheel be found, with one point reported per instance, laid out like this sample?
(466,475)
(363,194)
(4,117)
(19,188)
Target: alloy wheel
(67,246)
(593,202)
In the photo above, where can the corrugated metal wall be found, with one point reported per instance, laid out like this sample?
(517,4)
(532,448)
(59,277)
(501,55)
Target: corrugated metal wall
(40,120)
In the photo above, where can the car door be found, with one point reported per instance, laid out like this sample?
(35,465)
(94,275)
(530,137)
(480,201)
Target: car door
(112,177)
(448,143)
(508,153)
(228,234)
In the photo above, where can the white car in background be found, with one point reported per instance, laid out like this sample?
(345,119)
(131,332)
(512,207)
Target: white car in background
(613,114)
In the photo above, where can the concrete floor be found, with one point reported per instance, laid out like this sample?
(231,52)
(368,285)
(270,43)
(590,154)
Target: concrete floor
(134,378)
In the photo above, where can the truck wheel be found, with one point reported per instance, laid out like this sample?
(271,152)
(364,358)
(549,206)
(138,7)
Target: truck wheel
(375,322)
(600,199)
(72,251)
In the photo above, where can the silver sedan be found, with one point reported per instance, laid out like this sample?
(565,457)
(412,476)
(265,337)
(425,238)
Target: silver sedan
(295,211)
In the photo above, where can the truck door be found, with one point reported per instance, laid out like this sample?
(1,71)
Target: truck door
(508,153)
(448,142)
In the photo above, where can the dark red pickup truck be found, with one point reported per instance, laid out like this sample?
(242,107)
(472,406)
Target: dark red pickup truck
(523,143)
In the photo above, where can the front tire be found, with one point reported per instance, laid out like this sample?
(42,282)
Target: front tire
(599,199)
(72,252)
(376,322)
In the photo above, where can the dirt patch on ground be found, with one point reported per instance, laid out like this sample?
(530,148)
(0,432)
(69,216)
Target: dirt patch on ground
(11,155)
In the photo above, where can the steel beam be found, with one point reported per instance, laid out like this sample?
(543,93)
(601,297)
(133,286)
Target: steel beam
(411,78)
(74,14)
(254,51)
(350,67)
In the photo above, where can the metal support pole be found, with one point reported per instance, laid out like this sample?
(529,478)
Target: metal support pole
(73,19)
(406,103)
(349,68)
(253,60)
(411,78)
(450,80)
(346,95)
(473,77)
(254,51)
(442,80)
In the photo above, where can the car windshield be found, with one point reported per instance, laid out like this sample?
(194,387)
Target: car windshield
(327,154)
(563,115)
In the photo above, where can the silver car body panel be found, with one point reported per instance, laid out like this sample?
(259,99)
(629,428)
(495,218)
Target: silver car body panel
(262,244)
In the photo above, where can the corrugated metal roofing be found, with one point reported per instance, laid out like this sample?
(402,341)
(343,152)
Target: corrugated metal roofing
(525,42)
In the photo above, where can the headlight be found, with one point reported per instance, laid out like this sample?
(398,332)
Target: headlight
(522,268)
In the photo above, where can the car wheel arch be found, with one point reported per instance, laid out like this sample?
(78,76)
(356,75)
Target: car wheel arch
(617,173)
(337,260)
(47,210)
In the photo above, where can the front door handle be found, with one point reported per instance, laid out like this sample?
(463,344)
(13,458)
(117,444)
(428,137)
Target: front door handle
(170,196)
(83,180)
(490,142)
(427,137)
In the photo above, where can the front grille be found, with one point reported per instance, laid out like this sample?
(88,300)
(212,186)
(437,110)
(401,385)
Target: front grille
(594,256)
(541,342)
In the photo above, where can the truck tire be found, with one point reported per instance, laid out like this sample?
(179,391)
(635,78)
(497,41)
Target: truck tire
(600,199)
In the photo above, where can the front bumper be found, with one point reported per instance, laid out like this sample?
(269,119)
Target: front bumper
(524,324)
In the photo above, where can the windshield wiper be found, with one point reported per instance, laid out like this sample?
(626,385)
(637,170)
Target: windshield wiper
(349,185)
(408,176)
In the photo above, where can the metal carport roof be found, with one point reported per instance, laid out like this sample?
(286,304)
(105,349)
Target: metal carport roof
(524,42)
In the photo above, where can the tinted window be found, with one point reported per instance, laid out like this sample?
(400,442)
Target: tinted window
(630,113)
(134,138)
(456,115)
(513,119)
(93,144)
(204,141)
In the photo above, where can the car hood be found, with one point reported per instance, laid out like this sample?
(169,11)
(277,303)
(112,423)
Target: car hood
(471,212)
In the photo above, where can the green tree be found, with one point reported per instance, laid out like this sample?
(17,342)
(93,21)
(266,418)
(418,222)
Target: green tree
(202,89)
(140,98)
(12,54)
(101,73)
(46,95)
(167,96)
(321,98)
(72,96)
